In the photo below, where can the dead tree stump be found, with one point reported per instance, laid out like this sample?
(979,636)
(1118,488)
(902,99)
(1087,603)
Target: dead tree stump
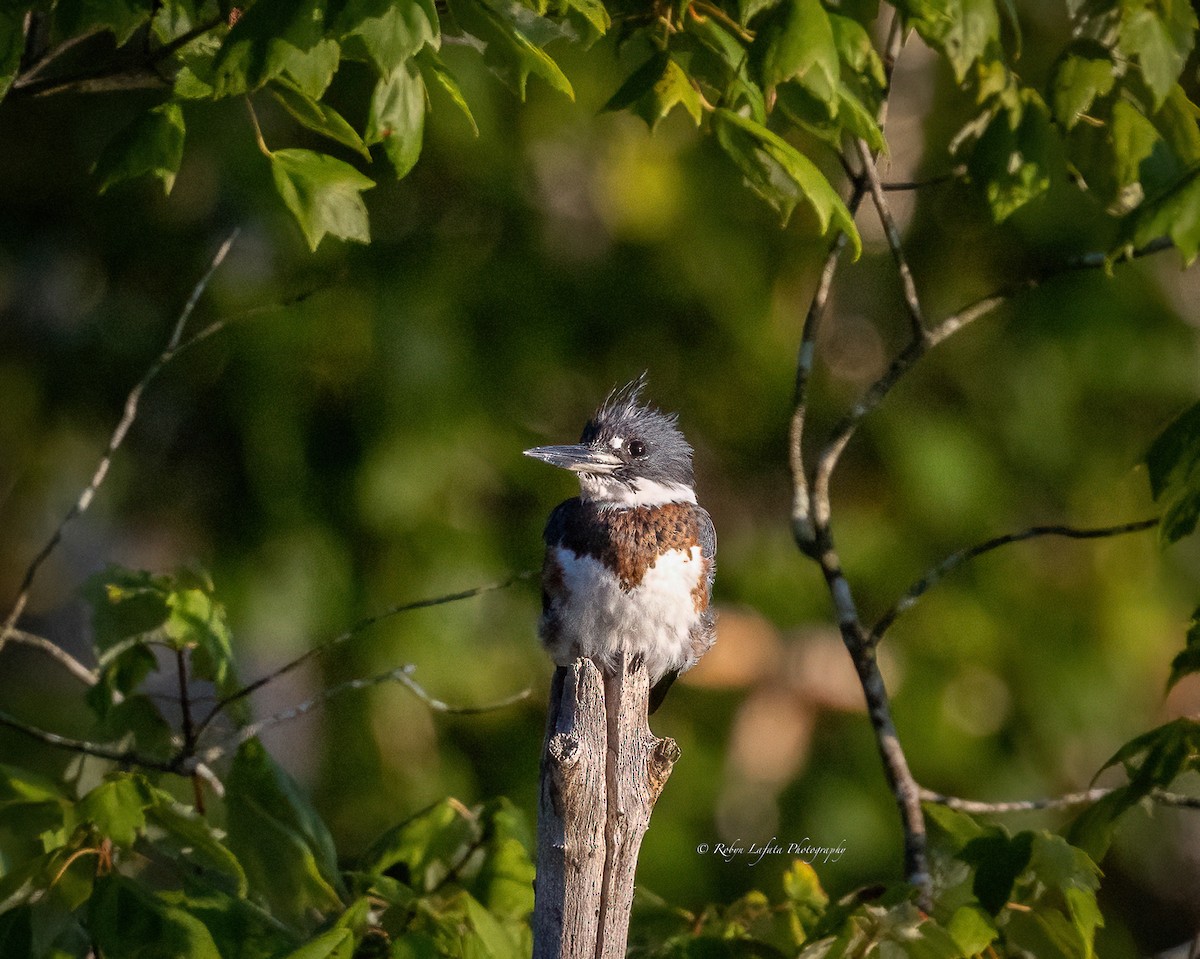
(602,772)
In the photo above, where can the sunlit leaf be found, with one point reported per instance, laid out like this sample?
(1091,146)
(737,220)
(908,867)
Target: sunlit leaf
(1084,71)
(117,808)
(962,30)
(731,58)
(387,33)
(1160,36)
(504,882)
(795,42)
(396,118)
(433,68)
(323,194)
(1010,161)
(782,175)
(318,117)
(271,37)
(655,89)
(421,850)
(509,52)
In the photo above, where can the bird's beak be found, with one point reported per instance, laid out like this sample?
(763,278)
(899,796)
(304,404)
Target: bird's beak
(579,458)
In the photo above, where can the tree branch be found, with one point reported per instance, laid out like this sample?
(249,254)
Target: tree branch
(349,634)
(916,315)
(401,674)
(962,556)
(53,650)
(118,437)
(125,757)
(1082,798)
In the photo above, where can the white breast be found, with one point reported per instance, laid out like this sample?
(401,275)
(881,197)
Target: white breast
(654,619)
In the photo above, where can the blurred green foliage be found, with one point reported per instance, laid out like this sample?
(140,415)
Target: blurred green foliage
(359,446)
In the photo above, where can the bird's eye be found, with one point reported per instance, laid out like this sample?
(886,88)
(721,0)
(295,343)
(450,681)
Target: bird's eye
(637,448)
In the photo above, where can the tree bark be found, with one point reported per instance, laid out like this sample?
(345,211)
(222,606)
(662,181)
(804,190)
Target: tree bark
(602,772)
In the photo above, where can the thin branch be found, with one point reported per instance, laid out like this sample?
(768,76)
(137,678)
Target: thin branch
(1083,798)
(126,757)
(912,301)
(118,437)
(962,556)
(349,634)
(900,186)
(402,675)
(128,75)
(53,650)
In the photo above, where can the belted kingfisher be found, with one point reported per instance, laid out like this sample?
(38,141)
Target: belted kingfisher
(630,561)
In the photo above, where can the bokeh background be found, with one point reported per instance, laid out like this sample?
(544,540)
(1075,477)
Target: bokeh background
(329,459)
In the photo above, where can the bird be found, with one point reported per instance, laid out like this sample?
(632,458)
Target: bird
(630,562)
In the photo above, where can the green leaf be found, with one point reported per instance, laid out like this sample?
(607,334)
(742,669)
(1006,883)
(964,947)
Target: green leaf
(283,846)
(972,929)
(654,89)
(961,30)
(188,837)
(318,117)
(856,50)
(421,851)
(781,175)
(1161,37)
(1068,870)
(117,808)
(22,786)
(152,145)
(334,944)
(1010,160)
(433,68)
(1083,72)
(511,54)
(807,901)
(1174,214)
(128,921)
(730,60)
(851,116)
(593,14)
(122,17)
(795,42)
(323,195)
(12,45)
(271,37)
(396,118)
(387,33)
(1173,468)
(957,827)
(1188,661)
(504,882)
(998,860)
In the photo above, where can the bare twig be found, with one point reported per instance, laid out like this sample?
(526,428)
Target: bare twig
(814,535)
(53,650)
(1083,798)
(957,559)
(402,675)
(916,315)
(900,186)
(349,634)
(114,443)
(126,757)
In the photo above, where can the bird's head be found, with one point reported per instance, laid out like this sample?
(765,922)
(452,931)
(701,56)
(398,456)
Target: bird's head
(630,454)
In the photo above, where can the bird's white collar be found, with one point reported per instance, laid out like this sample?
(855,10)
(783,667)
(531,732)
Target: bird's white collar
(602,491)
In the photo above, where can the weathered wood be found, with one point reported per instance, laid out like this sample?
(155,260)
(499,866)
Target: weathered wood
(602,772)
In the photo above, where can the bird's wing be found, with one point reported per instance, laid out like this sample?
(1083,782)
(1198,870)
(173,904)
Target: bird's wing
(707,535)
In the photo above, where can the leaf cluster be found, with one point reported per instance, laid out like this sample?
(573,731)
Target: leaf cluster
(777,83)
